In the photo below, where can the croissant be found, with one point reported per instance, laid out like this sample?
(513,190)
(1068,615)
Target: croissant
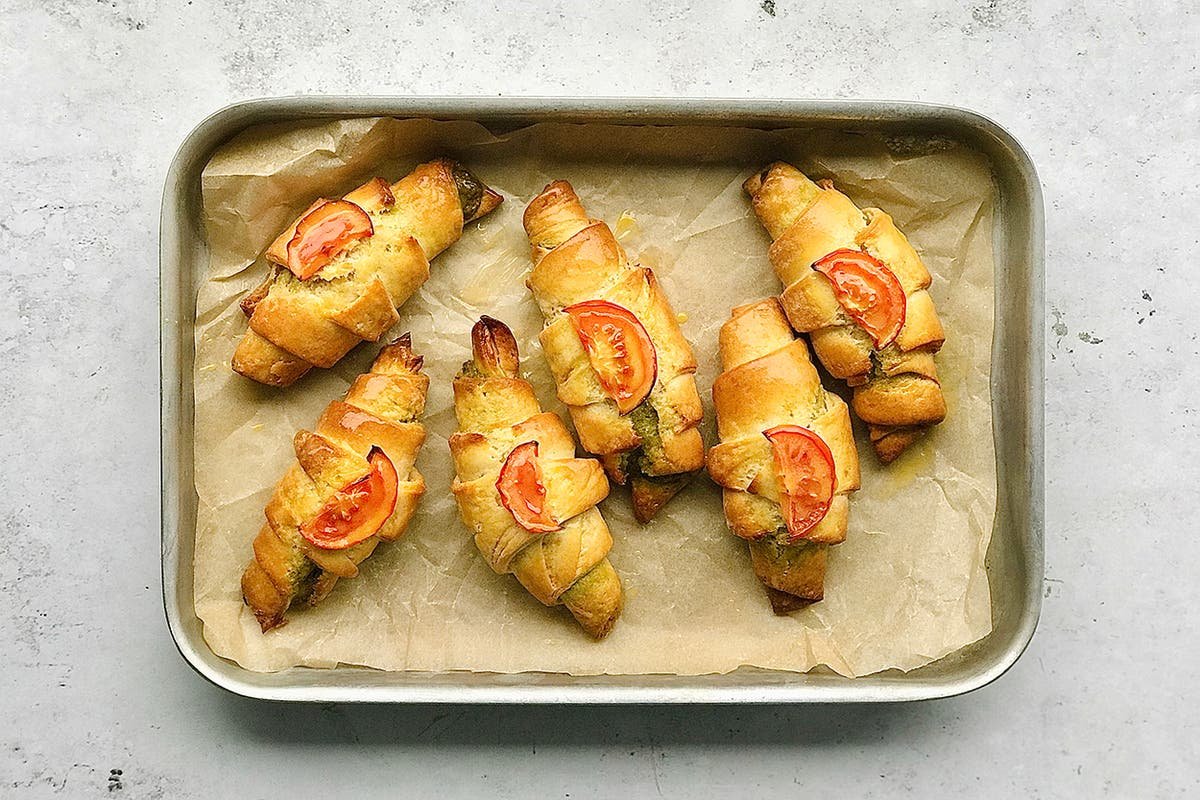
(345,266)
(858,288)
(529,502)
(622,365)
(353,485)
(786,461)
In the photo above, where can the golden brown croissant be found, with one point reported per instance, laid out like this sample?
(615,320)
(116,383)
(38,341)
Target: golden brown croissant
(530,503)
(353,485)
(622,365)
(345,266)
(786,461)
(858,288)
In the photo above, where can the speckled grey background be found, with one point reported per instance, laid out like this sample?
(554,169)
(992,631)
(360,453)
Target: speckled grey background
(94,98)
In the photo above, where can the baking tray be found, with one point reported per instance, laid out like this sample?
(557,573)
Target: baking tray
(1015,556)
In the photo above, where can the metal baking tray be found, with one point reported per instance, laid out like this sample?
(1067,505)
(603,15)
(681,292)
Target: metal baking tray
(1014,562)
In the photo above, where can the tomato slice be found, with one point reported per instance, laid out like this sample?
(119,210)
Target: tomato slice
(806,475)
(619,348)
(522,491)
(868,291)
(358,510)
(323,233)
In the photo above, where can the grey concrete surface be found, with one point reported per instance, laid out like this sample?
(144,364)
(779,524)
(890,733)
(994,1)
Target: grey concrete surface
(94,98)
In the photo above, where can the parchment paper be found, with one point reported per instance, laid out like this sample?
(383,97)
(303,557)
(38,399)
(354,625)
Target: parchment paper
(906,588)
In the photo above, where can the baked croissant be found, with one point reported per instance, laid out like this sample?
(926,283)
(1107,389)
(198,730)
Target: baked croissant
(622,365)
(858,288)
(344,267)
(530,503)
(353,485)
(786,461)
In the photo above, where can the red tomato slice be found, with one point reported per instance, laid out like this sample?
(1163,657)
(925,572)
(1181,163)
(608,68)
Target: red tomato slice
(323,233)
(868,291)
(806,475)
(619,348)
(358,510)
(522,491)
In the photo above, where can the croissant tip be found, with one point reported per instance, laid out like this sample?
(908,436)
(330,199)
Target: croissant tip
(596,600)
(494,348)
(554,186)
(552,206)
(755,182)
(490,202)
(649,496)
(268,622)
(398,353)
(890,444)
(752,184)
(605,627)
(783,603)
(753,305)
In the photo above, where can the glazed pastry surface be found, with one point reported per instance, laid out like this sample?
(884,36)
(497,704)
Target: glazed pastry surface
(655,447)
(769,381)
(564,559)
(380,412)
(296,324)
(896,387)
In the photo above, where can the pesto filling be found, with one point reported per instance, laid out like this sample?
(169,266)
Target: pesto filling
(470,191)
(646,459)
(305,580)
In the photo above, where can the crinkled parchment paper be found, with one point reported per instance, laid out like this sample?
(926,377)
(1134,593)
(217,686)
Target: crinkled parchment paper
(906,588)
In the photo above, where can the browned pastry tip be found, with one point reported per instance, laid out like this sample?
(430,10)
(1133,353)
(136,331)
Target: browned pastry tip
(783,603)
(263,597)
(752,184)
(255,296)
(398,356)
(494,349)
(889,443)
(901,401)
(649,495)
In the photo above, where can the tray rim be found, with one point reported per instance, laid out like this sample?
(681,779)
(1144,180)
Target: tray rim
(219,126)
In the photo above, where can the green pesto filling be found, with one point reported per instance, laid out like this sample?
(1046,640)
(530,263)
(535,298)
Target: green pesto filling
(304,580)
(470,191)
(649,455)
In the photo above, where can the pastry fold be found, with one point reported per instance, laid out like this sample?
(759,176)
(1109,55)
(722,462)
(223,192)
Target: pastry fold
(656,447)
(298,324)
(380,410)
(896,387)
(497,412)
(767,381)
